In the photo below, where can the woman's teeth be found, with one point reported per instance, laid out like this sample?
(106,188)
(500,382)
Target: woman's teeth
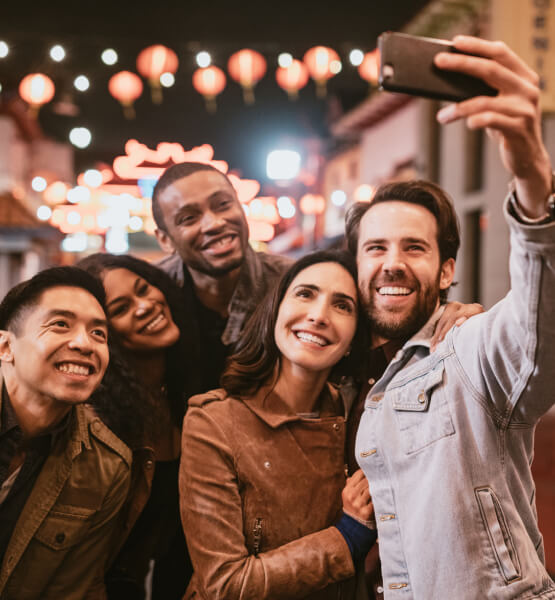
(310,337)
(155,322)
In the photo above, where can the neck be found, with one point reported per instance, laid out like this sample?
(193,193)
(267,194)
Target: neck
(34,413)
(215,292)
(299,388)
(150,368)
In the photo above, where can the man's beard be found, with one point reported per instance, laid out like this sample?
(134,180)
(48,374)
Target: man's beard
(402,326)
(206,268)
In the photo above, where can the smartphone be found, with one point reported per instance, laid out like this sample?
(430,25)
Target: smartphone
(407,66)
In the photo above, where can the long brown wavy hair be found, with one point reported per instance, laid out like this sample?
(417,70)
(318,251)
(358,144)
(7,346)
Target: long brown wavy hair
(256,353)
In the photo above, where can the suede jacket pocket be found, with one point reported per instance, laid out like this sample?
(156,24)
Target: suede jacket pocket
(421,409)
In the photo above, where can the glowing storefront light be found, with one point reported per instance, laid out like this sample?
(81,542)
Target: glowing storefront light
(283,164)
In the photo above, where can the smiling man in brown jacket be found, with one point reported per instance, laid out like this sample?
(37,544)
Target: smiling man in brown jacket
(63,474)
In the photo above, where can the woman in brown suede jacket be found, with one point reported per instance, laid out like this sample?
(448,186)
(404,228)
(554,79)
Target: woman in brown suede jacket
(265,503)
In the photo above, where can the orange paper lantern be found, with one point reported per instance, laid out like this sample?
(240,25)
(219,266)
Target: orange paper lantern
(247,67)
(152,62)
(36,89)
(318,61)
(209,82)
(312,204)
(368,68)
(292,78)
(126,87)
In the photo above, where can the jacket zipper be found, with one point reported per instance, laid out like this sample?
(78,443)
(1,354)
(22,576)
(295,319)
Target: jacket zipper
(257,535)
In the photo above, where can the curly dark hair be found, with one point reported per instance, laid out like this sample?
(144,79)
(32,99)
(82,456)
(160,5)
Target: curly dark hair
(256,353)
(122,400)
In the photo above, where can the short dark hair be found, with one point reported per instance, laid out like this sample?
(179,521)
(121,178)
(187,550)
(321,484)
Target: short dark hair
(169,176)
(420,192)
(27,294)
(256,352)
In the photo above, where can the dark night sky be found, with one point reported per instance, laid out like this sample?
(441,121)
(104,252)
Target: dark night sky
(240,134)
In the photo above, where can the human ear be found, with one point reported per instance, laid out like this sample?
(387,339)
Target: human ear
(447,274)
(6,353)
(165,242)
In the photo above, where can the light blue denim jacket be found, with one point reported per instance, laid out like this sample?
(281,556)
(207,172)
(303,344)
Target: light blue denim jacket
(446,442)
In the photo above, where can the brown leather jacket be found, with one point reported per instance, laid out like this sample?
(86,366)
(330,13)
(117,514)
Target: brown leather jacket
(260,489)
(61,539)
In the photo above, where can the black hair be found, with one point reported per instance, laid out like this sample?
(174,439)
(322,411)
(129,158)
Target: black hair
(27,294)
(122,401)
(169,176)
(256,352)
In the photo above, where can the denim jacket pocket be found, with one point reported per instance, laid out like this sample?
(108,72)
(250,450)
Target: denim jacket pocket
(422,410)
(499,534)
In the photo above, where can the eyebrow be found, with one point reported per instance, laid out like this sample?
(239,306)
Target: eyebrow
(60,312)
(409,240)
(196,206)
(136,285)
(335,295)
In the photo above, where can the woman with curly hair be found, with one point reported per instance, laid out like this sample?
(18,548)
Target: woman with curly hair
(143,400)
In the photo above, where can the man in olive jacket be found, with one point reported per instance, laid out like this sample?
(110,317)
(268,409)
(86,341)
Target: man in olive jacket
(63,474)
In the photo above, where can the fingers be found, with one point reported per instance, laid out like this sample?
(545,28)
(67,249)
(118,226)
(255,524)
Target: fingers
(455,314)
(497,51)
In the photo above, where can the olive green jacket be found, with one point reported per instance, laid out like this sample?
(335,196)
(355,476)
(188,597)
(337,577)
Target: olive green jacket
(63,533)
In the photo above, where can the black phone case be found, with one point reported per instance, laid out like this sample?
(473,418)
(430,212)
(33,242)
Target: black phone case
(406,65)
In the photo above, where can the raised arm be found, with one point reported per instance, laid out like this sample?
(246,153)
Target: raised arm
(513,116)
(212,515)
(508,352)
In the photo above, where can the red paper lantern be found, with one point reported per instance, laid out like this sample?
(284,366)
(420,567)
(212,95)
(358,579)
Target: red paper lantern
(126,87)
(209,82)
(318,61)
(152,62)
(247,67)
(292,78)
(312,204)
(368,68)
(36,89)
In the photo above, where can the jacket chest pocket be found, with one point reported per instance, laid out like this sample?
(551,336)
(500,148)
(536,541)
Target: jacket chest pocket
(422,411)
(64,527)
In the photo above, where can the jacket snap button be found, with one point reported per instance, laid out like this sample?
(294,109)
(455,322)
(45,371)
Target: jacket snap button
(267,464)
(336,426)
(371,381)
(149,464)
(60,537)
(422,397)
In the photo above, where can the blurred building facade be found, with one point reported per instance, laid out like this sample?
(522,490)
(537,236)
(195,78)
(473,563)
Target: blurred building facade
(26,243)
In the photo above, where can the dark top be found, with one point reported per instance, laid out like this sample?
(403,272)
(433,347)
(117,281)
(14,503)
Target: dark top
(36,451)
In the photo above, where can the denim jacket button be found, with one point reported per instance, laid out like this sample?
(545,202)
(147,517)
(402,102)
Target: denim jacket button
(422,397)
(336,426)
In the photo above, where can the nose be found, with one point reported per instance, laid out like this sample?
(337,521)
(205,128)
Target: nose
(81,341)
(393,261)
(143,307)
(318,312)
(212,221)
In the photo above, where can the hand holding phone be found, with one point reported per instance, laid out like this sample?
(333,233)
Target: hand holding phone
(407,66)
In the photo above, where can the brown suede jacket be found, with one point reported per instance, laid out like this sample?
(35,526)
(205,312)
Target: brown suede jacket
(260,490)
